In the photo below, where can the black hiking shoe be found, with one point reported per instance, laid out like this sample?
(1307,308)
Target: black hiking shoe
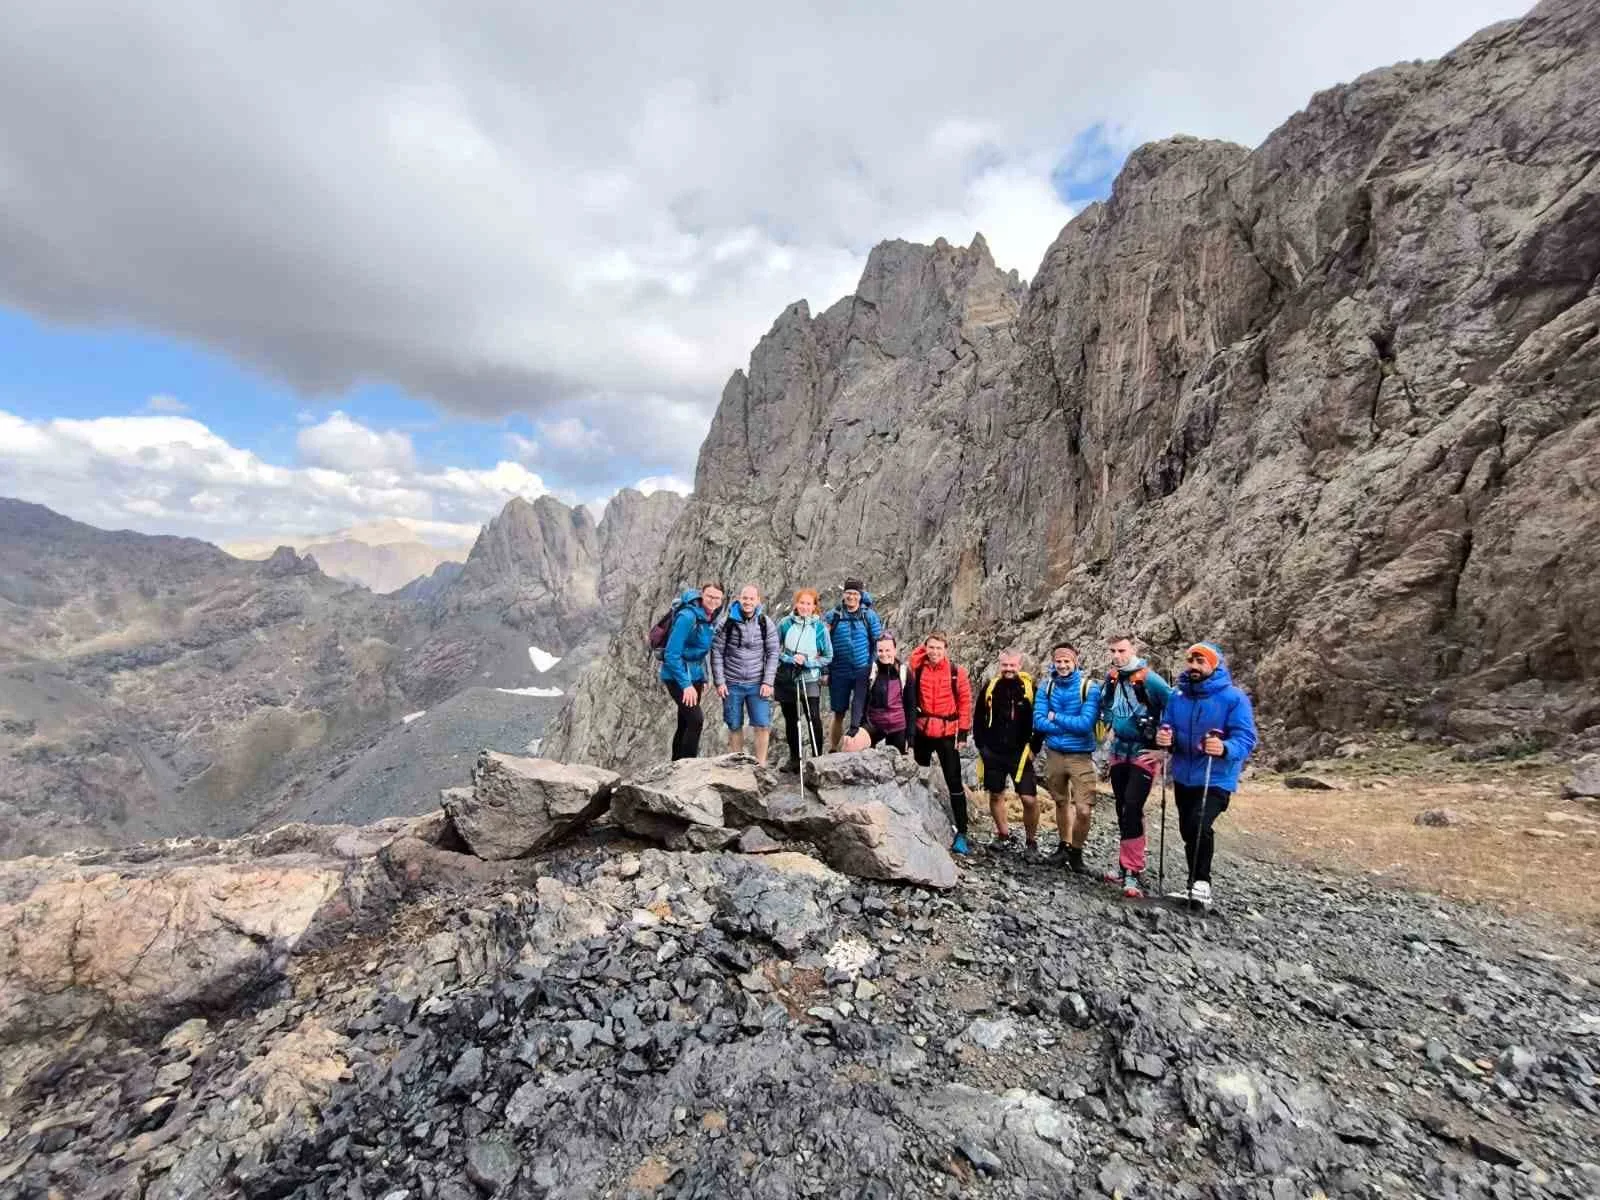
(792,767)
(1075,861)
(1003,845)
(1060,856)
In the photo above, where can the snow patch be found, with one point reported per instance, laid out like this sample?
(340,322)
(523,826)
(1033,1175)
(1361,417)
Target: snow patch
(530,691)
(410,717)
(542,660)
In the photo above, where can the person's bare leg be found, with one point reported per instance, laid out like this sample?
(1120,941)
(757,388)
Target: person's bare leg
(997,811)
(1030,818)
(1064,818)
(736,742)
(763,737)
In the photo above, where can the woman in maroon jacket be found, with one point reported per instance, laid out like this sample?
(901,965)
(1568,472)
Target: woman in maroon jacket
(884,700)
(943,695)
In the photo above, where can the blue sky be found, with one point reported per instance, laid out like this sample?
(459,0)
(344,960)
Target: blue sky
(415,267)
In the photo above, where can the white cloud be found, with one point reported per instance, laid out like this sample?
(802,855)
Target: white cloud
(347,445)
(165,474)
(573,436)
(664,483)
(165,404)
(536,209)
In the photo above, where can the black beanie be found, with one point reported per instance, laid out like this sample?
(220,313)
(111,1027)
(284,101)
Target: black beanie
(854,585)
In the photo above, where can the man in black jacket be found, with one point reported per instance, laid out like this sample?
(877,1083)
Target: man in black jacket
(1002,728)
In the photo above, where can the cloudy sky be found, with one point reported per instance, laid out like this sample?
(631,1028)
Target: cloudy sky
(281,268)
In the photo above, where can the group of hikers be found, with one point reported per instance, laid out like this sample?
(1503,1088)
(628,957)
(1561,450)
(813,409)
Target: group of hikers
(1131,727)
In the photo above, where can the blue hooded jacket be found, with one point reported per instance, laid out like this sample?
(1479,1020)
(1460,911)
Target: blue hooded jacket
(683,659)
(855,637)
(1065,720)
(1124,709)
(1215,702)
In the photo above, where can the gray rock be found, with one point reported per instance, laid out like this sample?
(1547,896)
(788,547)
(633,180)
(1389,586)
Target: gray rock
(991,1035)
(879,819)
(467,1073)
(1307,783)
(682,804)
(754,840)
(1439,817)
(519,805)
(1585,781)
(492,1164)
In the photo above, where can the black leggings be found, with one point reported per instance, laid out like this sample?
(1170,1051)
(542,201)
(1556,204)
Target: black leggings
(1196,807)
(686,741)
(791,719)
(899,739)
(1131,787)
(923,749)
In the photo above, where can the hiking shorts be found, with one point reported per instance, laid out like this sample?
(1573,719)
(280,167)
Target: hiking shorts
(746,698)
(1002,765)
(840,688)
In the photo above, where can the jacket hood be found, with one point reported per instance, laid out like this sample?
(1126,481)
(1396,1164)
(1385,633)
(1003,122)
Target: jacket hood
(866,602)
(736,613)
(1213,683)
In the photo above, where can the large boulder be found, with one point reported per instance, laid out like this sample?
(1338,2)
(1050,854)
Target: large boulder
(682,805)
(519,805)
(881,819)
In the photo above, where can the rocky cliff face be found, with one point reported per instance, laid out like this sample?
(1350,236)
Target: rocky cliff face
(1331,401)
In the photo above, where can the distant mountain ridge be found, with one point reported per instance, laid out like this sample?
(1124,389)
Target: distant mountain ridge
(158,686)
(382,556)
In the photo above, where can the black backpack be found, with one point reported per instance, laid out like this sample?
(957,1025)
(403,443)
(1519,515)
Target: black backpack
(729,625)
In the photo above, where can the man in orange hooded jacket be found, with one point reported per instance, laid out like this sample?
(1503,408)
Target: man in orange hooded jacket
(944,720)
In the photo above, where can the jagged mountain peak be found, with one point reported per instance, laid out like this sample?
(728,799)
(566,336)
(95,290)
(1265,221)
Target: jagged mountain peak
(1307,399)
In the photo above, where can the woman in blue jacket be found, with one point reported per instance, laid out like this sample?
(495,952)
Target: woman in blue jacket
(1210,729)
(683,663)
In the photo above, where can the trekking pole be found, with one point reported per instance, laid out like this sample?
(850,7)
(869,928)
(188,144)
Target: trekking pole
(1205,823)
(802,714)
(1161,871)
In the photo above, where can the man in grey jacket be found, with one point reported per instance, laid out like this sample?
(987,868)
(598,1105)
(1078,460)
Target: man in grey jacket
(744,662)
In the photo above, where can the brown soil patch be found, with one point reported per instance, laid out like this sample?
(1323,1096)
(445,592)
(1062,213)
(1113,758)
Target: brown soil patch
(1368,825)
(650,1176)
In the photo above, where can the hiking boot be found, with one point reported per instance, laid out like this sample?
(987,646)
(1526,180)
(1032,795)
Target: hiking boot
(1003,844)
(792,767)
(1200,893)
(1060,856)
(959,846)
(1132,888)
(1075,861)
(1030,852)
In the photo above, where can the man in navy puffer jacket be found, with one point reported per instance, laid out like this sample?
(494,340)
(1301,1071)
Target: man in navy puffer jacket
(855,629)
(1207,718)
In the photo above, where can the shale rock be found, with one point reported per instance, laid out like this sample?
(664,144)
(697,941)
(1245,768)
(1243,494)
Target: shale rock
(519,805)
(883,821)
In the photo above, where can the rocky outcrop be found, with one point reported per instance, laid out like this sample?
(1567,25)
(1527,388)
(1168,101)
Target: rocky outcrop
(517,806)
(871,814)
(155,935)
(1330,401)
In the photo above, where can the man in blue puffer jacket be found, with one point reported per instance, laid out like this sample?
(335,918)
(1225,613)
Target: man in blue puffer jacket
(1064,711)
(683,663)
(855,629)
(1208,719)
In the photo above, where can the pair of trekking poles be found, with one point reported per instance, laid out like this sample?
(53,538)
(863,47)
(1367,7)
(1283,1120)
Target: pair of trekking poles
(1207,817)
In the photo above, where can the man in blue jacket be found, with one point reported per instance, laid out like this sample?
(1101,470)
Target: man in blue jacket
(1208,720)
(855,629)
(683,663)
(1064,712)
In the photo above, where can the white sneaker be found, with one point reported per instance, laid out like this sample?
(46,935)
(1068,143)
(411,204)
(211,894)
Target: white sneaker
(1200,893)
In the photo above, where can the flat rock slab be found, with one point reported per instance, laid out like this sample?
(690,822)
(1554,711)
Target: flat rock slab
(517,806)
